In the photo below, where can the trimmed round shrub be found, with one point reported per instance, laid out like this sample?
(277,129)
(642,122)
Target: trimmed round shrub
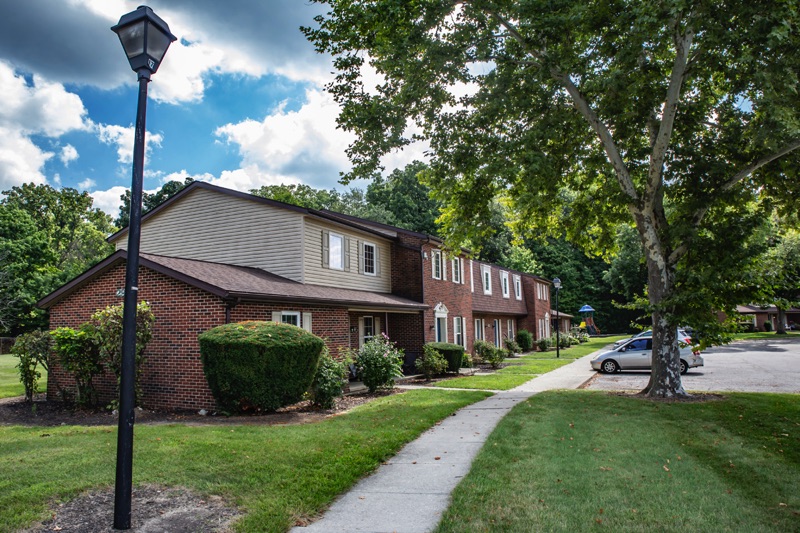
(259,366)
(543,344)
(525,340)
(453,353)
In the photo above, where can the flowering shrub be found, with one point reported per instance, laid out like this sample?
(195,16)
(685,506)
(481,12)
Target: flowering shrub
(378,362)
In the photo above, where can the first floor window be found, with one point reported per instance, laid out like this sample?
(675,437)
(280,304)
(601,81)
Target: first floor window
(368,327)
(441,329)
(510,328)
(478,329)
(295,318)
(458,331)
(497,334)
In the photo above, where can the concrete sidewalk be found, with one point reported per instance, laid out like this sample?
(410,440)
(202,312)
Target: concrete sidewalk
(409,493)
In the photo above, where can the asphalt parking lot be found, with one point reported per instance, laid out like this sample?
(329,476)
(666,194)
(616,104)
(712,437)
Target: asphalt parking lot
(744,366)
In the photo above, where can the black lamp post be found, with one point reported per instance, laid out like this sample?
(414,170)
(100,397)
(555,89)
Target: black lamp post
(145,38)
(557,285)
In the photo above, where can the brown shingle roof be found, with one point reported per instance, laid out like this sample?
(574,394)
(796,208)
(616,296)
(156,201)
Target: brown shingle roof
(231,281)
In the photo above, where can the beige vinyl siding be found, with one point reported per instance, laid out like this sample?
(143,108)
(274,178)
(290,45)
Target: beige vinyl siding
(210,226)
(317,274)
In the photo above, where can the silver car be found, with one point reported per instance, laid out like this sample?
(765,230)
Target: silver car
(637,354)
(683,336)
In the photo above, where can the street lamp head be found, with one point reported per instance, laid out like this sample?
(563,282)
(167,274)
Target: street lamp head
(145,38)
(556,283)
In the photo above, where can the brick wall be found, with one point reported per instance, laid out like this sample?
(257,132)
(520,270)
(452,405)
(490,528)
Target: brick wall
(172,377)
(537,309)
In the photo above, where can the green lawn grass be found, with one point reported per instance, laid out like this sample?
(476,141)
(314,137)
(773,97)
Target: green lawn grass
(276,474)
(769,335)
(10,385)
(527,367)
(586,461)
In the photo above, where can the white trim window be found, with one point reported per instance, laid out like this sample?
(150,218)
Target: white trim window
(458,270)
(504,283)
(335,251)
(436,264)
(479,329)
(440,323)
(486,275)
(368,259)
(295,318)
(458,332)
(368,327)
(471,277)
(510,328)
(517,287)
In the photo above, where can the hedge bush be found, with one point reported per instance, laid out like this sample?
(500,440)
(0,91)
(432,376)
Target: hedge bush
(525,340)
(33,350)
(543,344)
(432,362)
(453,353)
(259,366)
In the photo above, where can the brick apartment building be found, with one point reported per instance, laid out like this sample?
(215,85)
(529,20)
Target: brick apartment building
(211,255)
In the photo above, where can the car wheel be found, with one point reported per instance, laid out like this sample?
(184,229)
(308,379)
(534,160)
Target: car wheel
(609,366)
(684,367)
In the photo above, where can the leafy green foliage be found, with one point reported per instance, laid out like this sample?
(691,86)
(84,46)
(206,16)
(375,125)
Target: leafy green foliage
(581,116)
(259,366)
(79,354)
(378,363)
(544,344)
(489,353)
(453,353)
(432,362)
(33,350)
(329,380)
(107,325)
(525,340)
(405,199)
(512,346)
(47,236)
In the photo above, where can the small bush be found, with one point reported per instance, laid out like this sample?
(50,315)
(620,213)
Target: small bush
(466,360)
(489,353)
(525,340)
(329,380)
(79,354)
(378,363)
(512,346)
(453,353)
(543,344)
(259,366)
(33,351)
(482,349)
(767,326)
(431,363)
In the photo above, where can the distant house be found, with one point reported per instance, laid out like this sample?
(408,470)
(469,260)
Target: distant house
(211,255)
(758,316)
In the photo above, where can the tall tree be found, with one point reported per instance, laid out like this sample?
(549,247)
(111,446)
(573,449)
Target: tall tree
(47,236)
(781,275)
(406,199)
(667,114)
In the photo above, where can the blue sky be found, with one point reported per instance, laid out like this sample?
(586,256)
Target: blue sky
(238,100)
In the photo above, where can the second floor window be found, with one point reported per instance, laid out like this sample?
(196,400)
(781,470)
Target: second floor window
(517,287)
(486,273)
(335,251)
(369,256)
(458,275)
(504,282)
(436,259)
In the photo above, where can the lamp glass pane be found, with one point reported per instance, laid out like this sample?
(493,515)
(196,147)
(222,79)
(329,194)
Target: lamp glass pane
(132,39)
(157,42)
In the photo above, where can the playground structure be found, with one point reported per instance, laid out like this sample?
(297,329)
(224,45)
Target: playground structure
(587,314)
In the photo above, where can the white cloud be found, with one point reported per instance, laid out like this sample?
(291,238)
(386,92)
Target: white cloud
(123,138)
(29,108)
(86,184)
(108,201)
(68,154)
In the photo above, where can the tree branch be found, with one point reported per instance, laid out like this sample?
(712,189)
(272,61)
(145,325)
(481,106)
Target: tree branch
(582,105)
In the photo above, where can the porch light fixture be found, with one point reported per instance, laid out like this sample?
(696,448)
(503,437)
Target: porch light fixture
(557,285)
(145,38)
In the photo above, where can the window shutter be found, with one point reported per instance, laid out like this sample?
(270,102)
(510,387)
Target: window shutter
(360,257)
(346,245)
(360,331)
(376,324)
(325,249)
(377,261)
(444,267)
(276,316)
(307,322)
(461,262)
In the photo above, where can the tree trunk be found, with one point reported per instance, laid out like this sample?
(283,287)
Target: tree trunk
(780,329)
(665,375)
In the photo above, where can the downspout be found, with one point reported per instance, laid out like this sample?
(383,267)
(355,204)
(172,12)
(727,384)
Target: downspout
(230,304)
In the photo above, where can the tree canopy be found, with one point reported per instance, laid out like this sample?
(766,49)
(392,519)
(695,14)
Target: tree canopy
(47,237)
(679,118)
